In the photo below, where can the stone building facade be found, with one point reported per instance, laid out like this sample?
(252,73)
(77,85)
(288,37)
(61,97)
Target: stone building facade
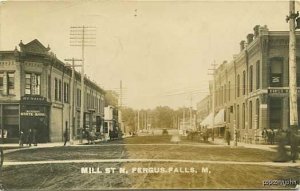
(35,93)
(253,88)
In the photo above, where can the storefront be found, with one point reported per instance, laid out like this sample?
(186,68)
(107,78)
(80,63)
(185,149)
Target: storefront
(34,115)
(9,122)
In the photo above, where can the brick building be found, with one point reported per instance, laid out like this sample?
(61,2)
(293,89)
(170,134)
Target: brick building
(252,89)
(35,90)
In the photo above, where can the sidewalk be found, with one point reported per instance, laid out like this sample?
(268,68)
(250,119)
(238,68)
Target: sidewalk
(12,147)
(220,141)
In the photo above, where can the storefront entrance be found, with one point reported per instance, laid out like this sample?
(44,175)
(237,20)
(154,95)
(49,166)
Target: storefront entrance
(34,115)
(276,113)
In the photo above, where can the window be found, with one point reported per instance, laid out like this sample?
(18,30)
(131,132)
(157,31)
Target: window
(298,71)
(243,116)
(229,91)
(59,90)
(32,84)
(251,79)
(78,101)
(238,116)
(1,83)
(11,83)
(225,98)
(49,86)
(238,86)
(276,72)
(250,115)
(56,89)
(257,75)
(66,92)
(244,82)
(257,113)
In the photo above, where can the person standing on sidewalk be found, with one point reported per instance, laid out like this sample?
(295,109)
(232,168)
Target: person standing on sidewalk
(66,136)
(29,137)
(294,141)
(227,136)
(34,141)
(21,139)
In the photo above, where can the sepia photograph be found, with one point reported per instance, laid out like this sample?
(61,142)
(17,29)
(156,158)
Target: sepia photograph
(149,95)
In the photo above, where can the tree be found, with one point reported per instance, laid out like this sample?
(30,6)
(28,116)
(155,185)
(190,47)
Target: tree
(111,98)
(128,116)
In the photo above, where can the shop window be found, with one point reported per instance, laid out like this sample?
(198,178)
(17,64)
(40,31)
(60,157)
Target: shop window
(11,121)
(1,83)
(250,115)
(276,113)
(298,71)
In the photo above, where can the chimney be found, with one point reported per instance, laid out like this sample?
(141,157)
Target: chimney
(249,38)
(256,31)
(242,45)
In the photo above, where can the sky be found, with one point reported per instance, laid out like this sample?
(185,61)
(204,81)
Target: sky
(161,50)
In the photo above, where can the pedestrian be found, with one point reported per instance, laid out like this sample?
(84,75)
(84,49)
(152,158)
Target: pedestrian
(29,137)
(66,136)
(34,140)
(21,138)
(294,139)
(282,155)
(227,136)
(272,136)
(264,135)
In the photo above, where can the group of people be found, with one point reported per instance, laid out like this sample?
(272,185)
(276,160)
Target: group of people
(29,137)
(269,136)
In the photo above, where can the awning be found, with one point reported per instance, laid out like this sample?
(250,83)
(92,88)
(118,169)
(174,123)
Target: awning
(208,121)
(219,119)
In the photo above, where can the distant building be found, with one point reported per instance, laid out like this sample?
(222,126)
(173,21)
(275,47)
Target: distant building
(203,109)
(111,123)
(35,92)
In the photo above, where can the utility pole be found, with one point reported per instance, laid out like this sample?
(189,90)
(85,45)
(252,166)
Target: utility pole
(120,107)
(213,99)
(82,36)
(183,122)
(292,67)
(293,80)
(191,113)
(72,105)
(138,121)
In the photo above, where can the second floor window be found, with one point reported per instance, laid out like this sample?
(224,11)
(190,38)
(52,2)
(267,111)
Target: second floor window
(7,83)
(32,84)
(276,72)
(251,79)
(66,92)
(56,89)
